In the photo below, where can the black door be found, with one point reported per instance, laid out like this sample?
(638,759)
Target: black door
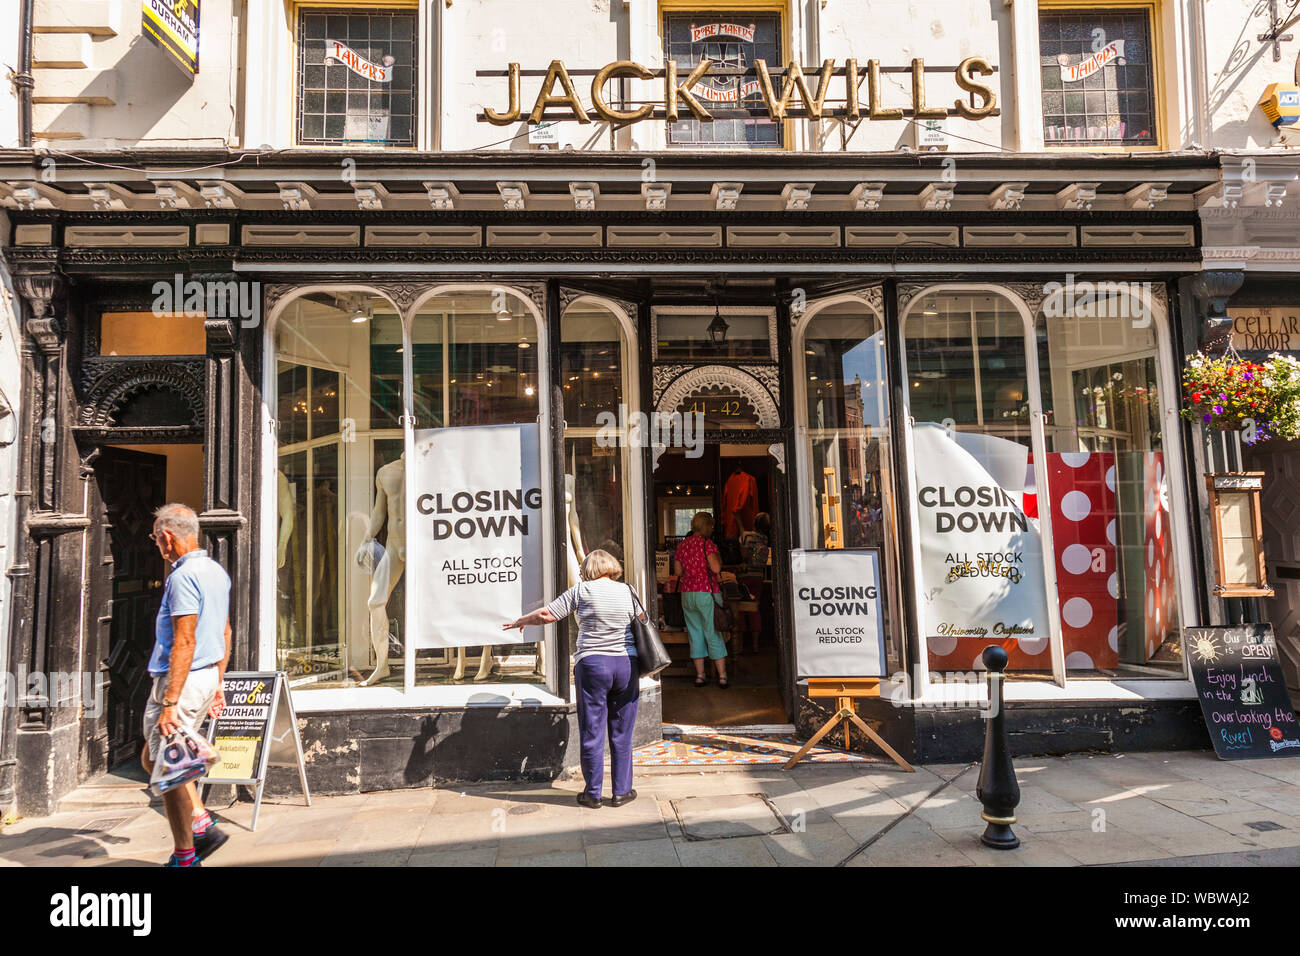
(132,485)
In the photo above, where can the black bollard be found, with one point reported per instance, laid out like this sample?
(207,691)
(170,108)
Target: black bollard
(998,789)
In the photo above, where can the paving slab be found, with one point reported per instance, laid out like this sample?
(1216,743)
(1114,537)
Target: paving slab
(1112,845)
(1197,799)
(1239,825)
(649,852)
(741,851)
(725,817)
(911,842)
(473,855)
(1031,852)
(817,844)
(564,858)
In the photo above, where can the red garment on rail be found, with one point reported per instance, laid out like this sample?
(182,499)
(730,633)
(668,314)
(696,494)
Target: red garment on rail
(739,499)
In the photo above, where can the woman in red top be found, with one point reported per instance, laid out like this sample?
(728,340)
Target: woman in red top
(697,566)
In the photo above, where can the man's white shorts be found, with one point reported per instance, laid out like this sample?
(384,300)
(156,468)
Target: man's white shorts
(196,697)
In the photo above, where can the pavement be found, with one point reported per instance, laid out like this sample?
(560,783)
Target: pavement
(1171,809)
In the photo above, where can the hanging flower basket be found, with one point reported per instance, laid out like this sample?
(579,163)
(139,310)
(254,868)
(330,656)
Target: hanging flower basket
(1259,399)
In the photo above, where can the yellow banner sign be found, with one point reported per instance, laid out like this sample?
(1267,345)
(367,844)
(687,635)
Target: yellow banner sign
(174,26)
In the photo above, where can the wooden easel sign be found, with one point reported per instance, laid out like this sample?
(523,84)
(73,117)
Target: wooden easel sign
(839,634)
(257,729)
(839,630)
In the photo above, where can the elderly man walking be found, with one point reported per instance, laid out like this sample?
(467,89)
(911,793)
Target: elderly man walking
(190,651)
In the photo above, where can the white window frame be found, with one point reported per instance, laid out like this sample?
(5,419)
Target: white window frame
(634,529)
(1062,687)
(890,553)
(470,694)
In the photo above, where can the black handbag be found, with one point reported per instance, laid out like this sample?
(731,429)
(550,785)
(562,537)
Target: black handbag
(651,655)
(724,621)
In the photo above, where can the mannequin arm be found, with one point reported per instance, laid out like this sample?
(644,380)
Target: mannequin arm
(379,512)
(285,507)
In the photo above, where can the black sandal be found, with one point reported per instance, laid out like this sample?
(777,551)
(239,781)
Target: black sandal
(723,683)
(701,681)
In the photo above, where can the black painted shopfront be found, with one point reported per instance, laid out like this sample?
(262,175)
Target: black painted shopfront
(845,327)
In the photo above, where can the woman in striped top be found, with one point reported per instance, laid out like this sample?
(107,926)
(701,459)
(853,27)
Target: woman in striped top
(604,672)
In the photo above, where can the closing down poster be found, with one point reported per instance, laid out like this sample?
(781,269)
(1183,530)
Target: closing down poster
(476,554)
(981,556)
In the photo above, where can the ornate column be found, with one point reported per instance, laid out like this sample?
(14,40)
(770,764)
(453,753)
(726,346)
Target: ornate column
(47,626)
(231,455)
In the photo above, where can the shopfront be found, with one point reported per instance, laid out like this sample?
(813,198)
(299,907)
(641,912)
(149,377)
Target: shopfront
(428,420)
(1025,482)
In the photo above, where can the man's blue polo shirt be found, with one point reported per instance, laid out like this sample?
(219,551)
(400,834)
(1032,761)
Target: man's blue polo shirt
(200,586)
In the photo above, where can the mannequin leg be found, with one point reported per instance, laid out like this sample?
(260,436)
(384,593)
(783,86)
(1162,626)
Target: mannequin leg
(484,663)
(459,673)
(387,573)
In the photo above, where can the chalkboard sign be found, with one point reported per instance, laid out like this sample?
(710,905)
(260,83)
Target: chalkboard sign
(257,729)
(1242,691)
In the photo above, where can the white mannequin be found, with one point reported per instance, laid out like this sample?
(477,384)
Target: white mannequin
(285,506)
(575,552)
(390,487)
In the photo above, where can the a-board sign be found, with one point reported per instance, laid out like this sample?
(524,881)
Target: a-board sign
(838,626)
(257,729)
(1242,691)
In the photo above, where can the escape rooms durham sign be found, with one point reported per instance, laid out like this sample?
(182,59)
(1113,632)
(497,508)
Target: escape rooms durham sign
(688,87)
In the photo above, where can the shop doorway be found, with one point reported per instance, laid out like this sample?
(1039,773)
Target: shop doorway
(133,485)
(134,481)
(737,485)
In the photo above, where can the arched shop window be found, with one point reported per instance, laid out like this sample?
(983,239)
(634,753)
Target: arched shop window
(475,359)
(338,408)
(596,380)
(1108,474)
(1040,487)
(346,412)
(848,491)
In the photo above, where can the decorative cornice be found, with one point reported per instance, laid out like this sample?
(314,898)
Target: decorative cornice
(875,297)
(144,435)
(727,378)
(535,291)
(38,284)
(106,384)
(220,334)
(1031,293)
(907,291)
(569,295)
(86,259)
(48,524)
(662,376)
(777,451)
(46,333)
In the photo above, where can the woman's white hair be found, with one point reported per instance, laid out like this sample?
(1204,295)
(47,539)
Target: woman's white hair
(179,519)
(600,564)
